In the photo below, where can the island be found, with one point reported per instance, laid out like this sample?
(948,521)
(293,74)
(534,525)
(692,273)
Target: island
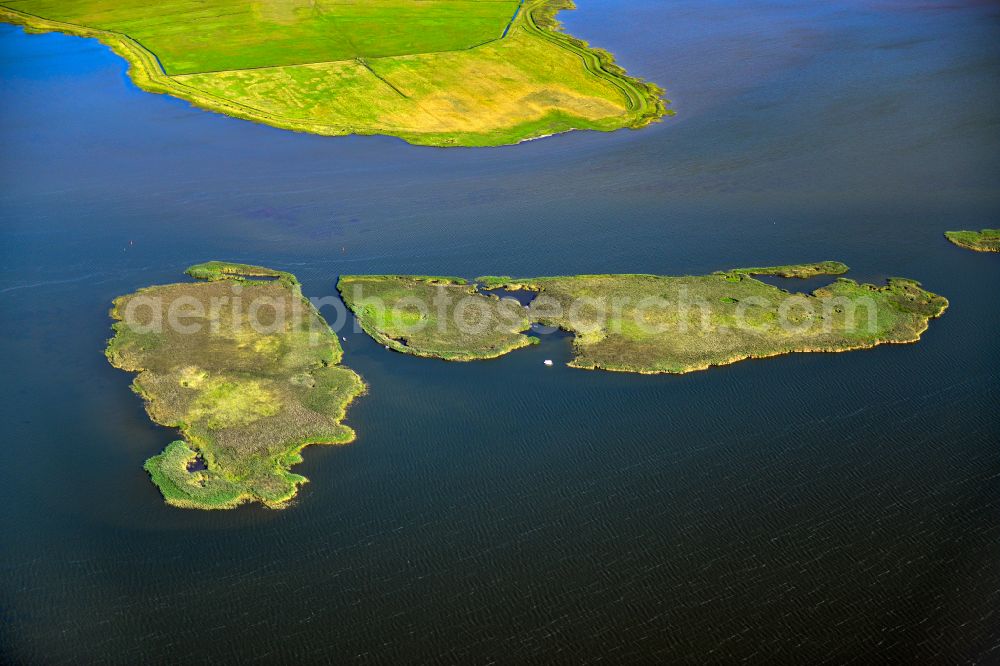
(646,324)
(432,72)
(246,369)
(439,317)
(987,240)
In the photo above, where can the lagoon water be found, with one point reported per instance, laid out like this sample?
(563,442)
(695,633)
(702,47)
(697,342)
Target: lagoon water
(814,508)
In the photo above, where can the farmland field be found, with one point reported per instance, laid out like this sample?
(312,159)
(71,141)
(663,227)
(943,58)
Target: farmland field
(438,72)
(192,36)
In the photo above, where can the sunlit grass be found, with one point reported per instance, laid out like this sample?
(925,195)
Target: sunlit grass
(433,72)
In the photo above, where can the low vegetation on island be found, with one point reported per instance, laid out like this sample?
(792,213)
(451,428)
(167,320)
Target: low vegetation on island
(246,369)
(987,240)
(802,271)
(250,373)
(441,317)
(434,72)
(648,323)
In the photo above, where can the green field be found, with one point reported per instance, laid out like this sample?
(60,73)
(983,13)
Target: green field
(436,72)
(987,240)
(258,380)
(649,323)
(190,36)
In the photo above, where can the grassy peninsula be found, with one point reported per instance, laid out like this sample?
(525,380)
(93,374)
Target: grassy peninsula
(987,240)
(246,369)
(433,72)
(662,324)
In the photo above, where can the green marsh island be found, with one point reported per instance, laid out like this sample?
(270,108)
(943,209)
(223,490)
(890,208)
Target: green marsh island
(642,323)
(987,240)
(448,325)
(246,369)
(433,72)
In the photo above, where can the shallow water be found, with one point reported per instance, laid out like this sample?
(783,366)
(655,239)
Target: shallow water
(815,507)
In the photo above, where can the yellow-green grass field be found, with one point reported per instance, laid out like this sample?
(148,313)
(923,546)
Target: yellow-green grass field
(434,72)
(987,240)
(660,324)
(246,369)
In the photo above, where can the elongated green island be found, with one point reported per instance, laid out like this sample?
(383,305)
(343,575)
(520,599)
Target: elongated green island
(987,240)
(434,72)
(642,323)
(246,369)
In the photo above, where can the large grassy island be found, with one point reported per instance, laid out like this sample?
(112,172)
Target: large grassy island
(248,371)
(642,323)
(987,240)
(434,72)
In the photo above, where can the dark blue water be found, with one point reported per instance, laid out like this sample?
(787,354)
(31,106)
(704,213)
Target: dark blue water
(809,509)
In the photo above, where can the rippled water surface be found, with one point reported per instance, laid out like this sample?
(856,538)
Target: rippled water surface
(811,508)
